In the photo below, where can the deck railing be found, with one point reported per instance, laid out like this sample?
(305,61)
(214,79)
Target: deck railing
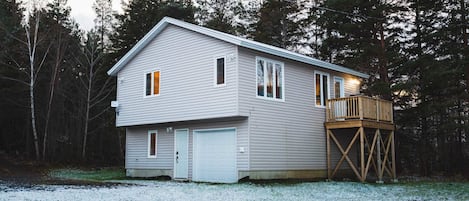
(358,108)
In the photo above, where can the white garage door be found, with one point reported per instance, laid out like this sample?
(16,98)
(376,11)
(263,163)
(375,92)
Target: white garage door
(215,156)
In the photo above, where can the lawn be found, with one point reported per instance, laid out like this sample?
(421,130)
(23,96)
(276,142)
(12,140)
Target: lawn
(101,174)
(171,190)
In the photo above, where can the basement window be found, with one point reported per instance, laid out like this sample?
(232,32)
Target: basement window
(152,143)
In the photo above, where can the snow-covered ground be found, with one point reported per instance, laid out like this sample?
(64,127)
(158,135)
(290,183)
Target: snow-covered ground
(169,190)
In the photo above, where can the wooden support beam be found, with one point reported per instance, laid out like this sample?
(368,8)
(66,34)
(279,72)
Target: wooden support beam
(362,155)
(393,156)
(370,151)
(388,167)
(378,156)
(386,153)
(345,154)
(328,144)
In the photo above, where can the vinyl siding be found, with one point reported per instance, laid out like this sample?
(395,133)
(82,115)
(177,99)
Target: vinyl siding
(290,134)
(136,143)
(186,61)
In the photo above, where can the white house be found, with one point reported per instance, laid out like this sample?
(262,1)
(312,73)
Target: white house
(203,105)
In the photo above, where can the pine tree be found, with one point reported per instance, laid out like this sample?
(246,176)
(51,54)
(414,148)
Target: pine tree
(140,16)
(362,35)
(436,116)
(103,20)
(13,91)
(278,24)
(217,14)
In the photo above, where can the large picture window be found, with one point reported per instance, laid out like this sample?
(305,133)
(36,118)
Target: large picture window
(152,143)
(321,88)
(152,83)
(269,78)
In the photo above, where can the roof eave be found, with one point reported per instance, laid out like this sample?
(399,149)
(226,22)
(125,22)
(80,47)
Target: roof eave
(303,58)
(139,46)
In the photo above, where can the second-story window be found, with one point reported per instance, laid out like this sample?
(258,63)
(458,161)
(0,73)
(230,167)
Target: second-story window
(322,88)
(269,79)
(152,83)
(220,71)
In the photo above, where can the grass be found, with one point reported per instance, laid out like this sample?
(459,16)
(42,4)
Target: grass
(457,189)
(101,174)
(421,190)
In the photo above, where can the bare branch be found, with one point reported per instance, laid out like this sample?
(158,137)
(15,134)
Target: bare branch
(104,87)
(101,99)
(42,62)
(99,114)
(14,79)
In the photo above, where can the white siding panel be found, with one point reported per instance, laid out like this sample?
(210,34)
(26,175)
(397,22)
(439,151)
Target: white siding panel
(136,143)
(290,134)
(186,63)
(137,149)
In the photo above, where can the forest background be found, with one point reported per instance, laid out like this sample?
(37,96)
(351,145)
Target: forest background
(55,94)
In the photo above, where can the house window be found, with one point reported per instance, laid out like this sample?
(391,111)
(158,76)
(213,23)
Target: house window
(152,143)
(152,83)
(220,71)
(321,88)
(270,81)
(338,87)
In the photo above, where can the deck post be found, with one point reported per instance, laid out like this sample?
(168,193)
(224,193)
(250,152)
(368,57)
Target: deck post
(362,155)
(378,157)
(393,158)
(360,107)
(377,109)
(328,145)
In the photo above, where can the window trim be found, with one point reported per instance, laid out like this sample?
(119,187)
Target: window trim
(321,83)
(215,71)
(282,66)
(342,87)
(149,143)
(152,83)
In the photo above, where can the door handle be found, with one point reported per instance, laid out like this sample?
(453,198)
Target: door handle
(177,157)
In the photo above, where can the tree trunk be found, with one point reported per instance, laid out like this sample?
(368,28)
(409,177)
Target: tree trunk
(32,53)
(87,112)
(58,59)
(383,67)
(33,116)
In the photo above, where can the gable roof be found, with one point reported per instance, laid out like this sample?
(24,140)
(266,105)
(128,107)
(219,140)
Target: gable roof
(242,42)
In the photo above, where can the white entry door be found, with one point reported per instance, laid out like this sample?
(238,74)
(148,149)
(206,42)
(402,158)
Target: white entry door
(215,156)
(181,154)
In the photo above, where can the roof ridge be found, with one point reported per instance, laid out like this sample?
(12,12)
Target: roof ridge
(237,40)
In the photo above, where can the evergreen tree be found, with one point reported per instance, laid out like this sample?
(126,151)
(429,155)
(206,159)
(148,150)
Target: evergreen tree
(437,86)
(222,15)
(13,91)
(278,24)
(140,16)
(103,20)
(362,35)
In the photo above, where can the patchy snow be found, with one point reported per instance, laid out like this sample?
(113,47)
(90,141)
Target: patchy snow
(170,190)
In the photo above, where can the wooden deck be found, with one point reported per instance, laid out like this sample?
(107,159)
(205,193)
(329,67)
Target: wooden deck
(359,108)
(373,125)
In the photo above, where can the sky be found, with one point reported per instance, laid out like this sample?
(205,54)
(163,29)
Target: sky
(83,13)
